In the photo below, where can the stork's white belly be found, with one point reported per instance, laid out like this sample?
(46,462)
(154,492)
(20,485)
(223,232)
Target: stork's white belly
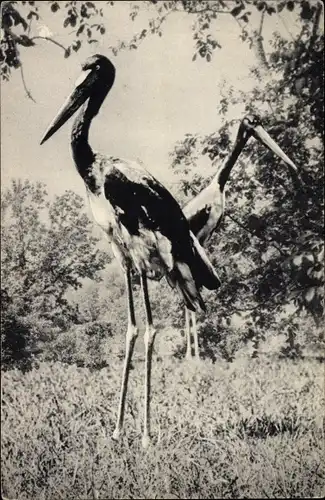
(102,211)
(148,250)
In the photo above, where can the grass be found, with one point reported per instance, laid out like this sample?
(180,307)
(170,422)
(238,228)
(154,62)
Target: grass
(248,429)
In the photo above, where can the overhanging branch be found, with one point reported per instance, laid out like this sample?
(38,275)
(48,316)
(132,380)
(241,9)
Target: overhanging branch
(28,93)
(48,39)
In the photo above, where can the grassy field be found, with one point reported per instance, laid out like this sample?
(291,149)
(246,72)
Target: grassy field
(248,429)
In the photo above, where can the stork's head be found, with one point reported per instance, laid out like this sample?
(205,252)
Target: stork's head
(100,66)
(248,125)
(95,81)
(251,126)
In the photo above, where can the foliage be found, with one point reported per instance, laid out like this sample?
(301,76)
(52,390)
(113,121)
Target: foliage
(241,427)
(20,21)
(47,249)
(82,345)
(207,15)
(269,248)
(17,17)
(251,429)
(14,345)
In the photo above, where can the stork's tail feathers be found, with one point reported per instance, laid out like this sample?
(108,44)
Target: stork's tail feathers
(181,277)
(191,274)
(204,272)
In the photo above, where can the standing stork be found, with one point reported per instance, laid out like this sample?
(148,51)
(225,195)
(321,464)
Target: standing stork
(205,211)
(143,222)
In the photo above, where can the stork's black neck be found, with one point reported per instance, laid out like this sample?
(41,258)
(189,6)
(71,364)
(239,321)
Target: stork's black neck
(82,153)
(223,173)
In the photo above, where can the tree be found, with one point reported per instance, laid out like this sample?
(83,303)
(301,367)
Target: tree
(270,245)
(269,250)
(47,249)
(20,21)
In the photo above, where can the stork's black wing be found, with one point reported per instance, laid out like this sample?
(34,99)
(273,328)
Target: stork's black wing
(142,202)
(145,203)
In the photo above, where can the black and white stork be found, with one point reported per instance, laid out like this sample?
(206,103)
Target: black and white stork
(143,222)
(205,211)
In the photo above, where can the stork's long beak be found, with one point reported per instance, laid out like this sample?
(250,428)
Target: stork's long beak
(264,137)
(79,95)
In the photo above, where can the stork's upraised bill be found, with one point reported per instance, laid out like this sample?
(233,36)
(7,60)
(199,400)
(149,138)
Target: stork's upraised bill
(252,126)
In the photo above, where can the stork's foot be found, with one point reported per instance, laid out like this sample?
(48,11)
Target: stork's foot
(146,440)
(188,354)
(194,358)
(116,434)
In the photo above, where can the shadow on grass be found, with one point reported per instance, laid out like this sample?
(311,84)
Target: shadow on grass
(263,427)
(211,345)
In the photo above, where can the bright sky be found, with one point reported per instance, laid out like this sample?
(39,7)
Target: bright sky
(158,96)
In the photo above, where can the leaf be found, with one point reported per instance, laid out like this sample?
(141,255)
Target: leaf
(80,29)
(66,22)
(18,19)
(297,260)
(306,11)
(261,6)
(67,52)
(208,57)
(84,12)
(270,10)
(76,46)
(55,7)
(290,5)
(280,6)
(244,18)
(31,14)
(90,5)
(237,10)
(26,41)
(310,294)
(202,51)
(73,21)
(102,30)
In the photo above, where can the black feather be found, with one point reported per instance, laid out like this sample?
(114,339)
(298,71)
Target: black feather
(199,219)
(142,202)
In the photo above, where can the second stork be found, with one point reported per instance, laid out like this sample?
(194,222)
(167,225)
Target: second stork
(205,211)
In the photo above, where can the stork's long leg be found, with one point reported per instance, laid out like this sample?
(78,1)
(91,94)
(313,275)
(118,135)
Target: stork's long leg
(188,334)
(149,337)
(195,336)
(131,336)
